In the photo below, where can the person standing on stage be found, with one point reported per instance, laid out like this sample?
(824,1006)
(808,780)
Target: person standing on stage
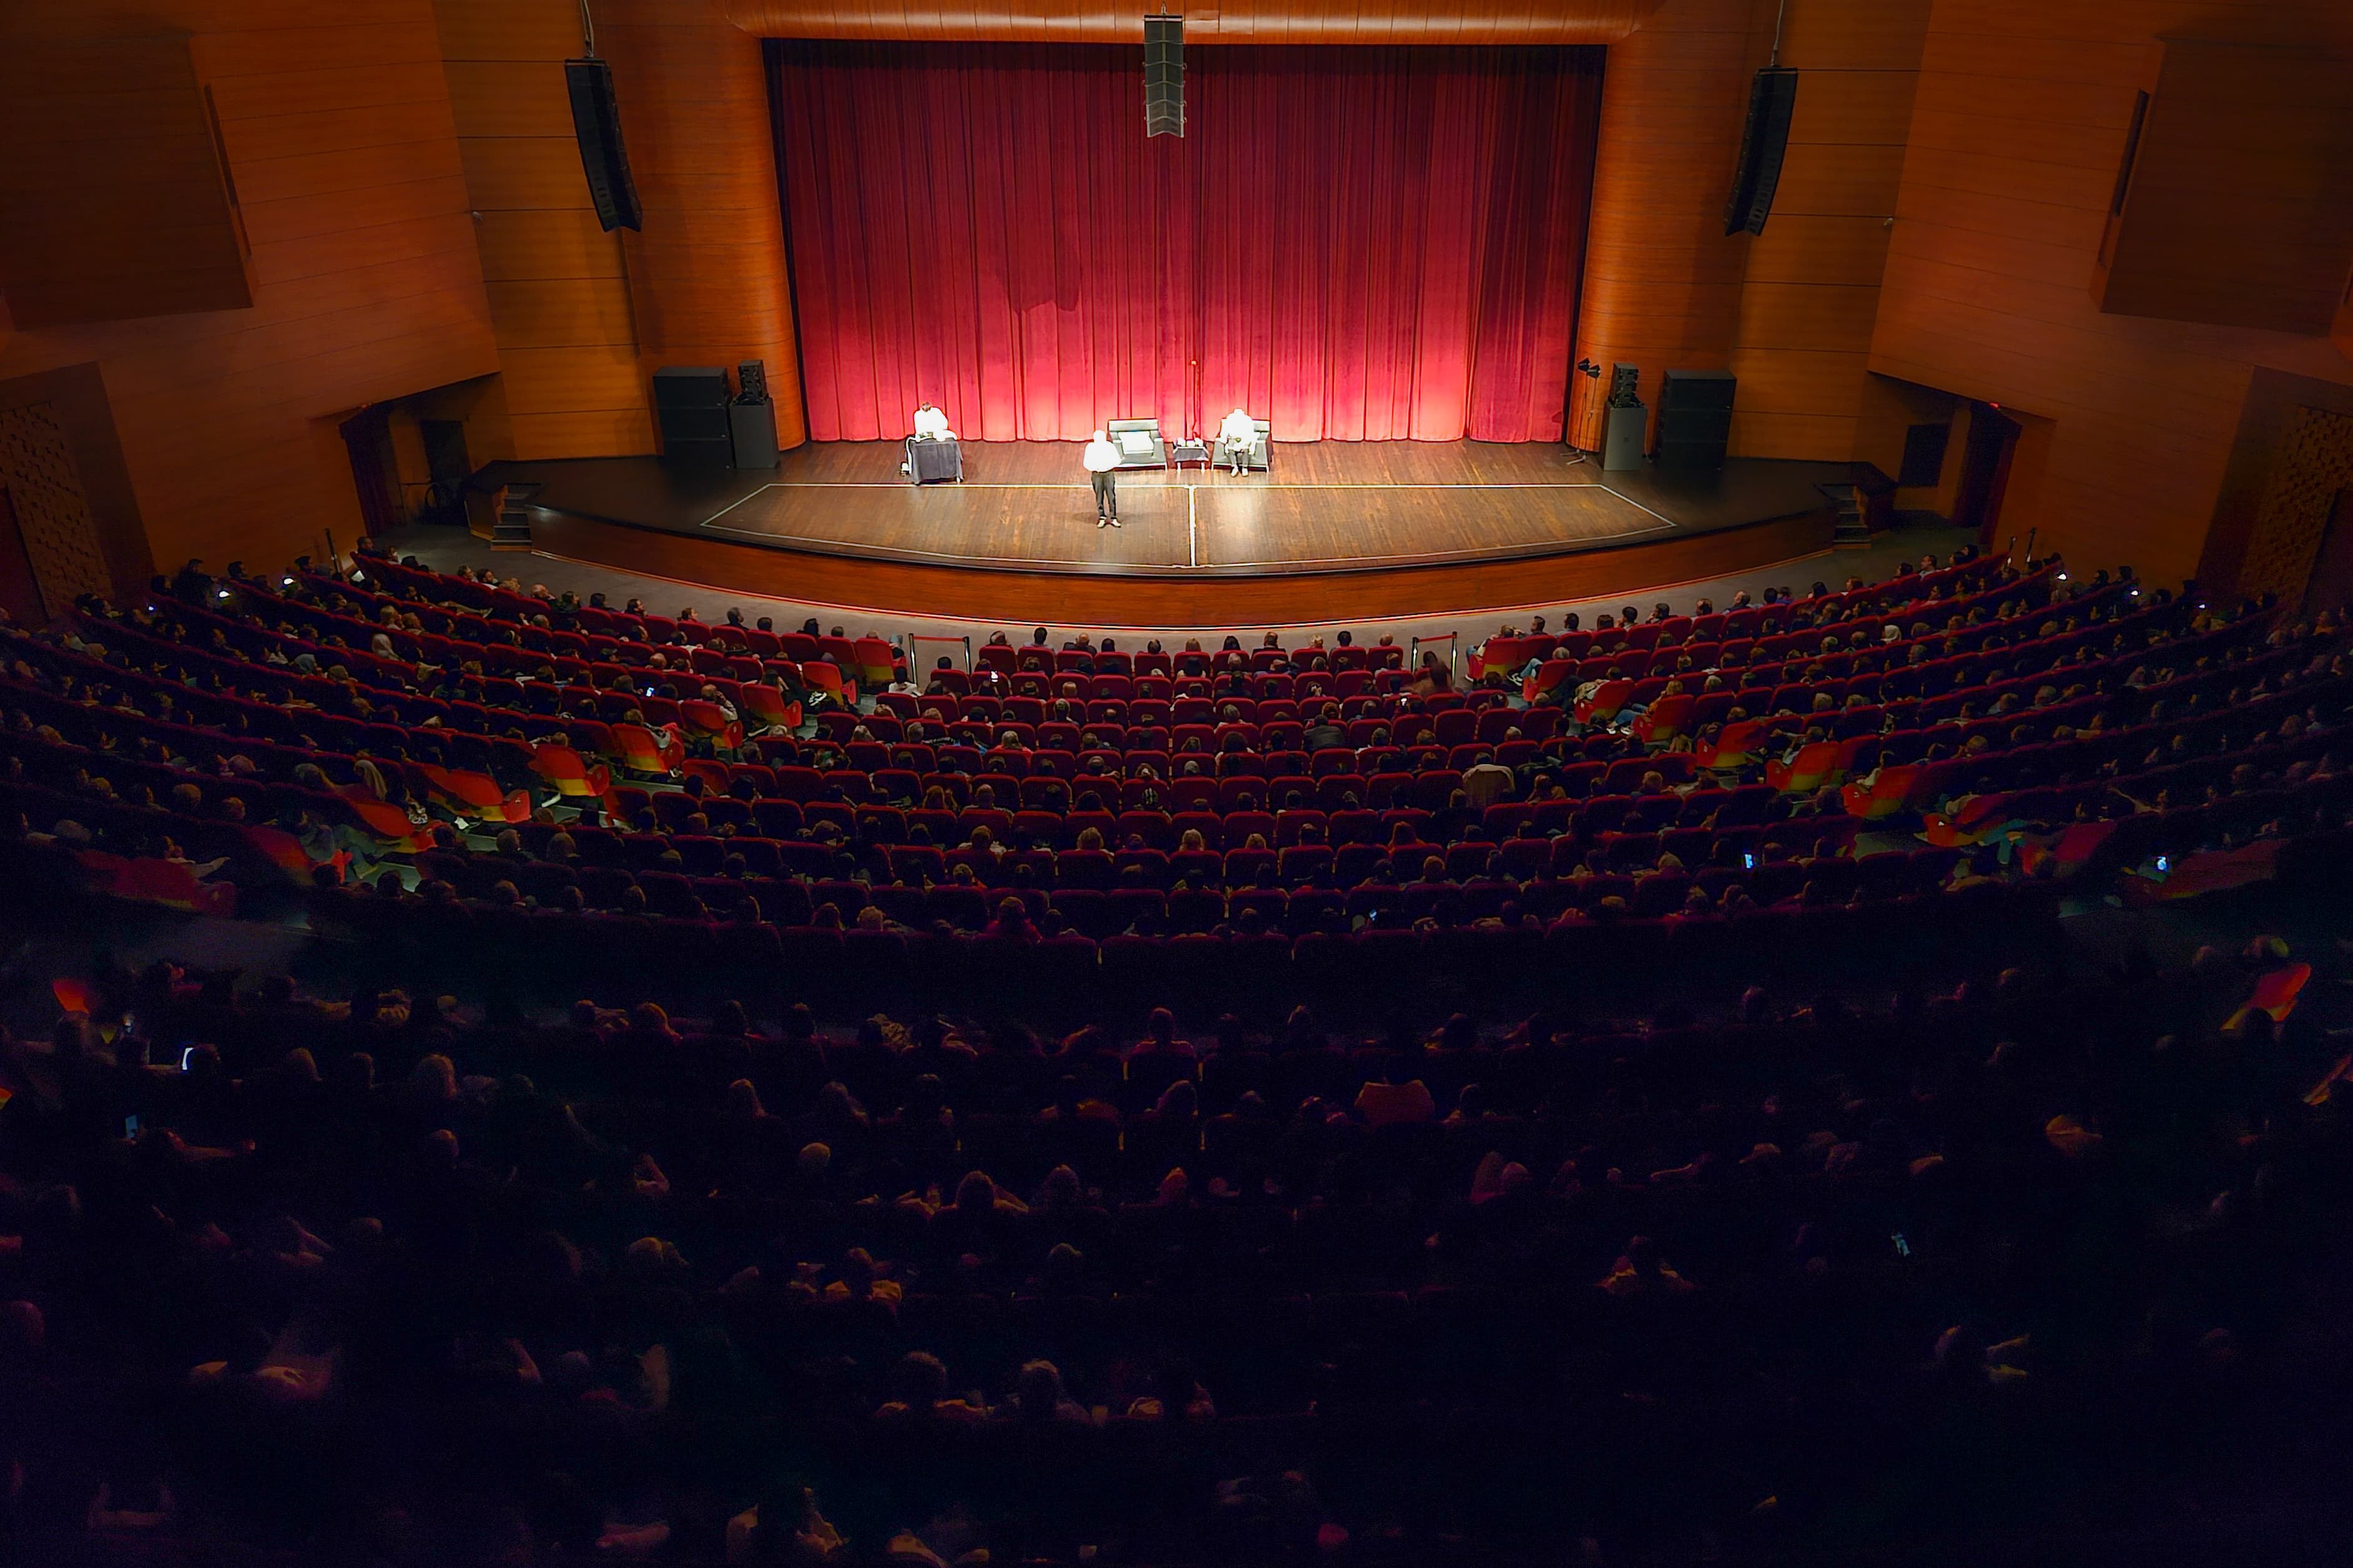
(1235,437)
(1101,458)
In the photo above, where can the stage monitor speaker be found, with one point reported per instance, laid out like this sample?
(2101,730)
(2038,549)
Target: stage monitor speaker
(1621,446)
(1772,97)
(689,387)
(596,122)
(1695,418)
(752,426)
(1164,75)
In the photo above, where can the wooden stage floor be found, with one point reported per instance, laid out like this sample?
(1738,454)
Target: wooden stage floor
(1361,523)
(1325,506)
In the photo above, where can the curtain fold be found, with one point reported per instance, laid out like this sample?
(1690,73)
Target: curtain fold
(1357,243)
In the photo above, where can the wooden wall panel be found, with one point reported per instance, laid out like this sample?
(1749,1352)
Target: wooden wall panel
(525,174)
(1860,108)
(569,380)
(608,429)
(2023,110)
(555,312)
(506,97)
(338,133)
(558,284)
(547,243)
(113,201)
(1662,283)
(1803,248)
(1813,283)
(707,277)
(1767,435)
(2239,206)
(508,30)
(326,89)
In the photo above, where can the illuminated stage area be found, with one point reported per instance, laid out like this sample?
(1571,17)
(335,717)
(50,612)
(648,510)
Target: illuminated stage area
(1332,526)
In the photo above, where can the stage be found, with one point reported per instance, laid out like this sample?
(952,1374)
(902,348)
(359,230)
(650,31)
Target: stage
(1333,529)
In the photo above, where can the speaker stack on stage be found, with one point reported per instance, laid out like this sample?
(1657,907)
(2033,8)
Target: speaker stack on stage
(752,417)
(1695,418)
(690,404)
(702,426)
(1626,423)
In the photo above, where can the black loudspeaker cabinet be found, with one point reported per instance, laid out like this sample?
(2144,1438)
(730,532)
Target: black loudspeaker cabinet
(1695,418)
(691,410)
(596,122)
(697,453)
(693,423)
(1772,98)
(1164,75)
(751,379)
(689,387)
(752,429)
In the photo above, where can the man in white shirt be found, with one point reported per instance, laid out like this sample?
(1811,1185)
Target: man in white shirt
(1101,458)
(1235,437)
(931,425)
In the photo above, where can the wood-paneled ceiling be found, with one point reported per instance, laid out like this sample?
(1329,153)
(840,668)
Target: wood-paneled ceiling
(1269,22)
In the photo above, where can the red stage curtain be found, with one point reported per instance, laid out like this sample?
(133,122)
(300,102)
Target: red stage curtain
(1357,243)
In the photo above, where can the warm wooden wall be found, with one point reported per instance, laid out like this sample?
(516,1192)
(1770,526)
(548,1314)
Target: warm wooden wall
(2239,209)
(1662,282)
(558,290)
(113,203)
(337,126)
(2016,138)
(1810,291)
(707,277)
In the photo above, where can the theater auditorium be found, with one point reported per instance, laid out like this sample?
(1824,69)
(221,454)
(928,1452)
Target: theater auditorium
(1355,782)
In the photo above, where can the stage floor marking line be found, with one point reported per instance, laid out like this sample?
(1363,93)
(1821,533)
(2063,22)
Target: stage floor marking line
(739,501)
(1272,485)
(1189,489)
(956,556)
(1192,517)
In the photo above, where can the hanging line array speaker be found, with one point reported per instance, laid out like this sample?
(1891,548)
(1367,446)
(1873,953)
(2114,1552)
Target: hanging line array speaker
(597,121)
(1772,97)
(1164,75)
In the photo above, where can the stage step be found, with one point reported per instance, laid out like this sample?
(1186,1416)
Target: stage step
(513,530)
(1850,530)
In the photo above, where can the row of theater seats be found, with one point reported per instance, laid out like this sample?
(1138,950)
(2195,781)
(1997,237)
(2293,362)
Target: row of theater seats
(2207,722)
(1460,1289)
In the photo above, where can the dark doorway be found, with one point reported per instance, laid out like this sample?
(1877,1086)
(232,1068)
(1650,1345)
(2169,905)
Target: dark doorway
(446,467)
(1924,456)
(1985,471)
(20,592)
(375,472)
(2330,586)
